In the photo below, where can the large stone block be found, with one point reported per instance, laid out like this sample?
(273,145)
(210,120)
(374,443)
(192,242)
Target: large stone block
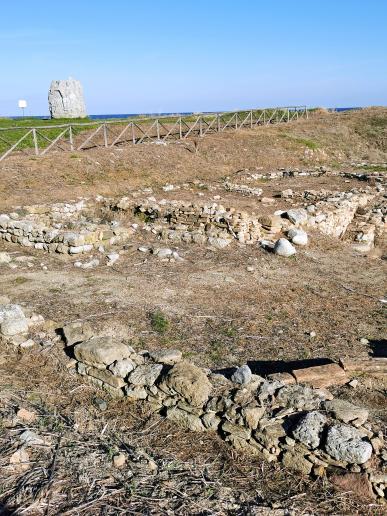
(65,99)
(190,382)
(101,350)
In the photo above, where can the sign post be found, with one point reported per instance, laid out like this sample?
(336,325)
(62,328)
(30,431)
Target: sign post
(22,105)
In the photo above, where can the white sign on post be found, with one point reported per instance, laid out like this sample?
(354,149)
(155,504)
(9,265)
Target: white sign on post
(22,105)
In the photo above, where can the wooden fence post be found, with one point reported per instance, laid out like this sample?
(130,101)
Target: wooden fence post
(35,142)
(105,136)
(71,139)
(158,129)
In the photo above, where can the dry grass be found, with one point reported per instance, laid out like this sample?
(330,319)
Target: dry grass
(339,139)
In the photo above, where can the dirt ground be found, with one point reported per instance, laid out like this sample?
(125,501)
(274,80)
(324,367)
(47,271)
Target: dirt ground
(223,308)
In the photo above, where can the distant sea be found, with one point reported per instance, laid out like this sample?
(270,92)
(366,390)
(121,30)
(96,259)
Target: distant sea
(131,115)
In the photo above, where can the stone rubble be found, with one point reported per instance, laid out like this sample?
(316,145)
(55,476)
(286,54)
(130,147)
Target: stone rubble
(358,215)
(303,427)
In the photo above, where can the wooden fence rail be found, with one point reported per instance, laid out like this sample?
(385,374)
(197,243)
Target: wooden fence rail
(86,135)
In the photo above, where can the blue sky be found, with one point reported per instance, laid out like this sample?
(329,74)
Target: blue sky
(194,55)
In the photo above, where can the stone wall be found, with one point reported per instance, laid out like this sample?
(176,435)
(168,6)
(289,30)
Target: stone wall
(60,228)
(80,228)
(288,417)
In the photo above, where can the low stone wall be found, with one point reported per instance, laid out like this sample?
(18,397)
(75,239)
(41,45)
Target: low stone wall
(81,227)
(282,418)
(195,223)
(60,228)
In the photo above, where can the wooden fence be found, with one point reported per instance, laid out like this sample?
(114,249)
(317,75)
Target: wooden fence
(40,140)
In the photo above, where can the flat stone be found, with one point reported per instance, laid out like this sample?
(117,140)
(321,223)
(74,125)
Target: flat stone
(242,375)
(321,376)
(145,374)
(237,430)
(309,428)
(77,332)
(101,350)
(253,415)
(297,462)
(106,376)
(346,411)
(190,382)
(285,378)
(301,397)
(284,248)
(345,443)
(30,438)
(136,393)
(211,421)
(185,420)
(122,367)
(297,216)
(167,356)
(355,483)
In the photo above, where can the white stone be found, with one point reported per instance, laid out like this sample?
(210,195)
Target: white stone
(12,320)
(298,236)
(242,375)
(65,99)
(122,367)
(4,258)
(345,443)
(284,248)
(297,216)
(164,252)
(112,258)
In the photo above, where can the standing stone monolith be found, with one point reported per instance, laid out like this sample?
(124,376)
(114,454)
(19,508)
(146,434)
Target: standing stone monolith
(65,99)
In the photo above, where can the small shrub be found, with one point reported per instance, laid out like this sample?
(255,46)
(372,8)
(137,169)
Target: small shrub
(159,321)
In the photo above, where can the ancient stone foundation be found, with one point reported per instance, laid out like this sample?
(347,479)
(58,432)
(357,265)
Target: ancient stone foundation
(290,417)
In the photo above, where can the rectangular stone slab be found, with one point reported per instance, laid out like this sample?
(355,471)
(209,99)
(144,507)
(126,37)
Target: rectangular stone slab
(321,376)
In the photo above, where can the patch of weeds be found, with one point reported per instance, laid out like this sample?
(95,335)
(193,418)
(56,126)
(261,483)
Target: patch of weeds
(229,331)
(20,280)
(74,156)
(310,144)
(159,321)
(188,354)
(216,351)
(374,168)
(111,450)
(143,217)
